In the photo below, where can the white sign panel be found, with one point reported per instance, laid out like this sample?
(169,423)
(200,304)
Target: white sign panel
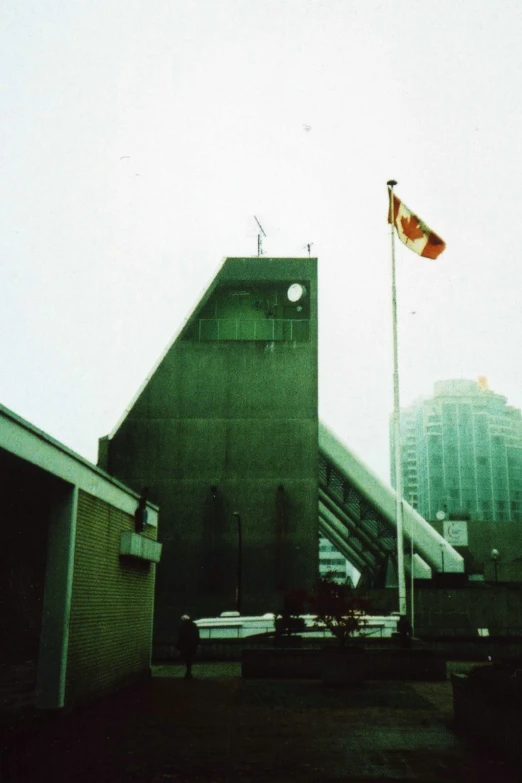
(456,532)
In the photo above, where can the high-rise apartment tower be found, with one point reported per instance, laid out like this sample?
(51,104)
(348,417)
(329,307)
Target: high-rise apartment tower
(461,453)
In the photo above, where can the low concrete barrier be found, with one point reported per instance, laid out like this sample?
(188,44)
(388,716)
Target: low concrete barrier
(380,664)
(292,663)
(489,709)
(405,664)
(461,648)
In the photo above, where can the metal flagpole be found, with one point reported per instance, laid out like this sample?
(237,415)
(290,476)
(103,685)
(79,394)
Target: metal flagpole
(412,586)
(397,420)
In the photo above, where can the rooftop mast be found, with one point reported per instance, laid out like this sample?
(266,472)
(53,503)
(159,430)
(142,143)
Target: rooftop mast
(260,236)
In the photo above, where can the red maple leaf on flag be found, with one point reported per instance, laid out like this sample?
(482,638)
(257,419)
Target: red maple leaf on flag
(411,228)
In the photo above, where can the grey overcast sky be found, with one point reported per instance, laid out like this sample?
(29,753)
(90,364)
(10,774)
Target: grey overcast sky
(138,139)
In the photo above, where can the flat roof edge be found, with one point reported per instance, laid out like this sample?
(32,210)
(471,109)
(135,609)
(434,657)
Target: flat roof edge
(6,413)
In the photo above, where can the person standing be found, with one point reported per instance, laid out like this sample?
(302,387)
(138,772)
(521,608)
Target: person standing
(188,640)
(404,630)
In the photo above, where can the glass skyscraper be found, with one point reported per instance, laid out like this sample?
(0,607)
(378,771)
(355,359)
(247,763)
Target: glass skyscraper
(461,453)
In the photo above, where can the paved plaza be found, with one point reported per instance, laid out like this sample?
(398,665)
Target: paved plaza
(219,728)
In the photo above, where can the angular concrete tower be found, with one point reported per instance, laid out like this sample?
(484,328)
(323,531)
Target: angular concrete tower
(225,436)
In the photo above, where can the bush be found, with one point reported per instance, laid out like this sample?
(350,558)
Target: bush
(340,608)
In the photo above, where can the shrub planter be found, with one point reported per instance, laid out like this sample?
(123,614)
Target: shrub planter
(283,663)
(405,664)
(287,642)
(342,666)
(338,665)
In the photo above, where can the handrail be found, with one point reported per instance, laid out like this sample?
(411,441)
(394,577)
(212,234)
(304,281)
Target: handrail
(260,331)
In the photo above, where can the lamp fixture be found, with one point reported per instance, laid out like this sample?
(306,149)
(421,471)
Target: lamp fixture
(296,292)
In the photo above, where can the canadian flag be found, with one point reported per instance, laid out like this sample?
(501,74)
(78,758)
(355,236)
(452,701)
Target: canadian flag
(413,231)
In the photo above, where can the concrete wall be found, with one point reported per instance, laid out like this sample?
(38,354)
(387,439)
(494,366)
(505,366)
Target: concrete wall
(506,537)
(460,612)
(110,630)
(239,416)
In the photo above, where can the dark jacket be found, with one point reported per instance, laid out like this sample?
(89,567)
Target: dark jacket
(188,637)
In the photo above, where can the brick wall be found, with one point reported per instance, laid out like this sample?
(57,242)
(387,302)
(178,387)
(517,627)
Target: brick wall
(112,604)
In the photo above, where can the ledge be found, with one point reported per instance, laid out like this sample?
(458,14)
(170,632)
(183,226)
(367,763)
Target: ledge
(139,547)
(380,664)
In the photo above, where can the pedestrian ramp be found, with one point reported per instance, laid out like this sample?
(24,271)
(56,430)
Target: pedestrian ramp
(357,514)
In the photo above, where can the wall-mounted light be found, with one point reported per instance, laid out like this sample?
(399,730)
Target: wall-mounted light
(239,578)
(495,554)
(296,292)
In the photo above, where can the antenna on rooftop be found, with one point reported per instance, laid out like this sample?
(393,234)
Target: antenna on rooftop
(309,247)
(260,236)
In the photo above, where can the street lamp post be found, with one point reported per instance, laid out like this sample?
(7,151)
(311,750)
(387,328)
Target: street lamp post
(494,556)
(239,574)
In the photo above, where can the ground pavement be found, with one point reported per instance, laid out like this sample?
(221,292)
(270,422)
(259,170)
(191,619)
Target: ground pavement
(218,728)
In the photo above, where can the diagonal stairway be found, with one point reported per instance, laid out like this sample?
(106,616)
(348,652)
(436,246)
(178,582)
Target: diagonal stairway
(357,514)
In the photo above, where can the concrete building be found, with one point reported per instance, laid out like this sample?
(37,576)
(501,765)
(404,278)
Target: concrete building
(462,453)
(357,513)
(333,561)
(224,433)
(76,579)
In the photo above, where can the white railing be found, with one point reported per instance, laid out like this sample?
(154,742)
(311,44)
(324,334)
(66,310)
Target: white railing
(243,329)
(238,627)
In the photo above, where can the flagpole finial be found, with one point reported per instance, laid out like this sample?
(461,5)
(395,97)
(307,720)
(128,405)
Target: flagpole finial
(391,183)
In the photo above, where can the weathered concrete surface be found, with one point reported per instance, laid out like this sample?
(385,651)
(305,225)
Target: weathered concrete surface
(221,728)
(229,424)
(460,612)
